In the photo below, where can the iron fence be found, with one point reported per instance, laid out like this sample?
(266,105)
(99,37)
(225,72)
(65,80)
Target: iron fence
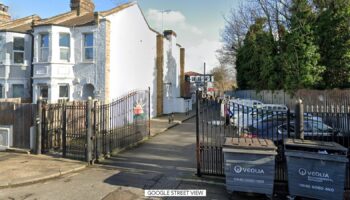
(217,120)
(114,126)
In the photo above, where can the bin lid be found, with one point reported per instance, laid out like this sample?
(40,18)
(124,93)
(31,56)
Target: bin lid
(314,146)
(250,144)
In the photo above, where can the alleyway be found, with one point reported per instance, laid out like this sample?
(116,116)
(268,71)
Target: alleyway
(165,162)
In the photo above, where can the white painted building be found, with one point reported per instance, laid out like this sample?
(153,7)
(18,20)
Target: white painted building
(85,53)
(15,60)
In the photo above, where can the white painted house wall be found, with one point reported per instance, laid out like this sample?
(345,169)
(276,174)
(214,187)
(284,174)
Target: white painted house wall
(11,73)
(132,61)
(173,103)
(133,54)
(92,72)
(76,72)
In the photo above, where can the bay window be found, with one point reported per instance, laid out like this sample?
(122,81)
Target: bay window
(43,91)
(64,46)
(63,92)
(44,47)
(2,49)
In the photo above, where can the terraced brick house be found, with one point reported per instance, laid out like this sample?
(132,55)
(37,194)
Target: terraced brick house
(84,53)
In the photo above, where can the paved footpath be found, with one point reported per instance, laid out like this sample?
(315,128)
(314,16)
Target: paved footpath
(167,161)
(19,169)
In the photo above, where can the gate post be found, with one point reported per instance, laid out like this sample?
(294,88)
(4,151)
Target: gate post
(299,120)
(96,134)
(149,112)
(197,134)
(64,129)
(89,131)
(38,126)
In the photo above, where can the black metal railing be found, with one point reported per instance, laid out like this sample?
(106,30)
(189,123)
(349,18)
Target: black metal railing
(218,119)
(113,126)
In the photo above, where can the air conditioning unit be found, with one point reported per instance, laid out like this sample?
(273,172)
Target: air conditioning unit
(6,137)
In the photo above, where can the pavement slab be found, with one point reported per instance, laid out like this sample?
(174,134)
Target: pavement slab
(19,169)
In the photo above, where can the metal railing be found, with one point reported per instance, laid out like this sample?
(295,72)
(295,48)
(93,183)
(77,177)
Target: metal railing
(91,130)
(217,120)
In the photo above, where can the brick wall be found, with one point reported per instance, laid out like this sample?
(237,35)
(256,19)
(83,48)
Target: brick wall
(82,6)
(182,72)
(160,68)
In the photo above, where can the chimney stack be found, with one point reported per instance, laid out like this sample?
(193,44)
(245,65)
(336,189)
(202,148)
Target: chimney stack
(4,15)
(82,6)
(169,34)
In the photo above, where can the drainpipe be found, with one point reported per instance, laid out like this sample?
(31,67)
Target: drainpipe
(31,66)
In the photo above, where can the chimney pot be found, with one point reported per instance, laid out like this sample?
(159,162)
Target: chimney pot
(4,15)
(82,6)
(169,32)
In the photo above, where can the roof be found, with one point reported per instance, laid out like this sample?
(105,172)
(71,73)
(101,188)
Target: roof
(191,73)
(56,20)
(117,9)
(21,25)
(87,19)
(69,19)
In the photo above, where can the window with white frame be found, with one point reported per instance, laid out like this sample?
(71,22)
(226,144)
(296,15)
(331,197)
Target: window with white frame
(88,49)
(2,49)
(64,46)
(43,91)
(18,50)
(63,91)
(17,90)
(44,47)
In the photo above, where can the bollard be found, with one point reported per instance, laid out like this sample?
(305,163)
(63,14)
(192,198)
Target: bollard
(299,120)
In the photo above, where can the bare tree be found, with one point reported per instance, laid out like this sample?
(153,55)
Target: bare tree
(238,21)
(224,78)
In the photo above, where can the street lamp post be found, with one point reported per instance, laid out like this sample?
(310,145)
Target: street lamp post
(204,84)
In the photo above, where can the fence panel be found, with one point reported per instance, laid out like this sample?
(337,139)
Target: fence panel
(21,117)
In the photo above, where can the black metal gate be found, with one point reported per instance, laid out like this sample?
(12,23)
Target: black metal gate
(113,126)
(218,119)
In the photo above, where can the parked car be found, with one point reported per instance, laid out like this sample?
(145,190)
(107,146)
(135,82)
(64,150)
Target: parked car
(246,116)
(311,129)
(278,130)
(273,107)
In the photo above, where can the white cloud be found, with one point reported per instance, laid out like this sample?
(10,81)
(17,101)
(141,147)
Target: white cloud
(199,47)
(171,19)
(203,52)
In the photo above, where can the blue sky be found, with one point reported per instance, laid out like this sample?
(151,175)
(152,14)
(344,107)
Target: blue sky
(197,22)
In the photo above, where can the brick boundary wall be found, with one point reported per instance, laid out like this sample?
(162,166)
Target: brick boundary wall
(160,63)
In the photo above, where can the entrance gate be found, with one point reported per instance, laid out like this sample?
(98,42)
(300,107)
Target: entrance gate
(113,126)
